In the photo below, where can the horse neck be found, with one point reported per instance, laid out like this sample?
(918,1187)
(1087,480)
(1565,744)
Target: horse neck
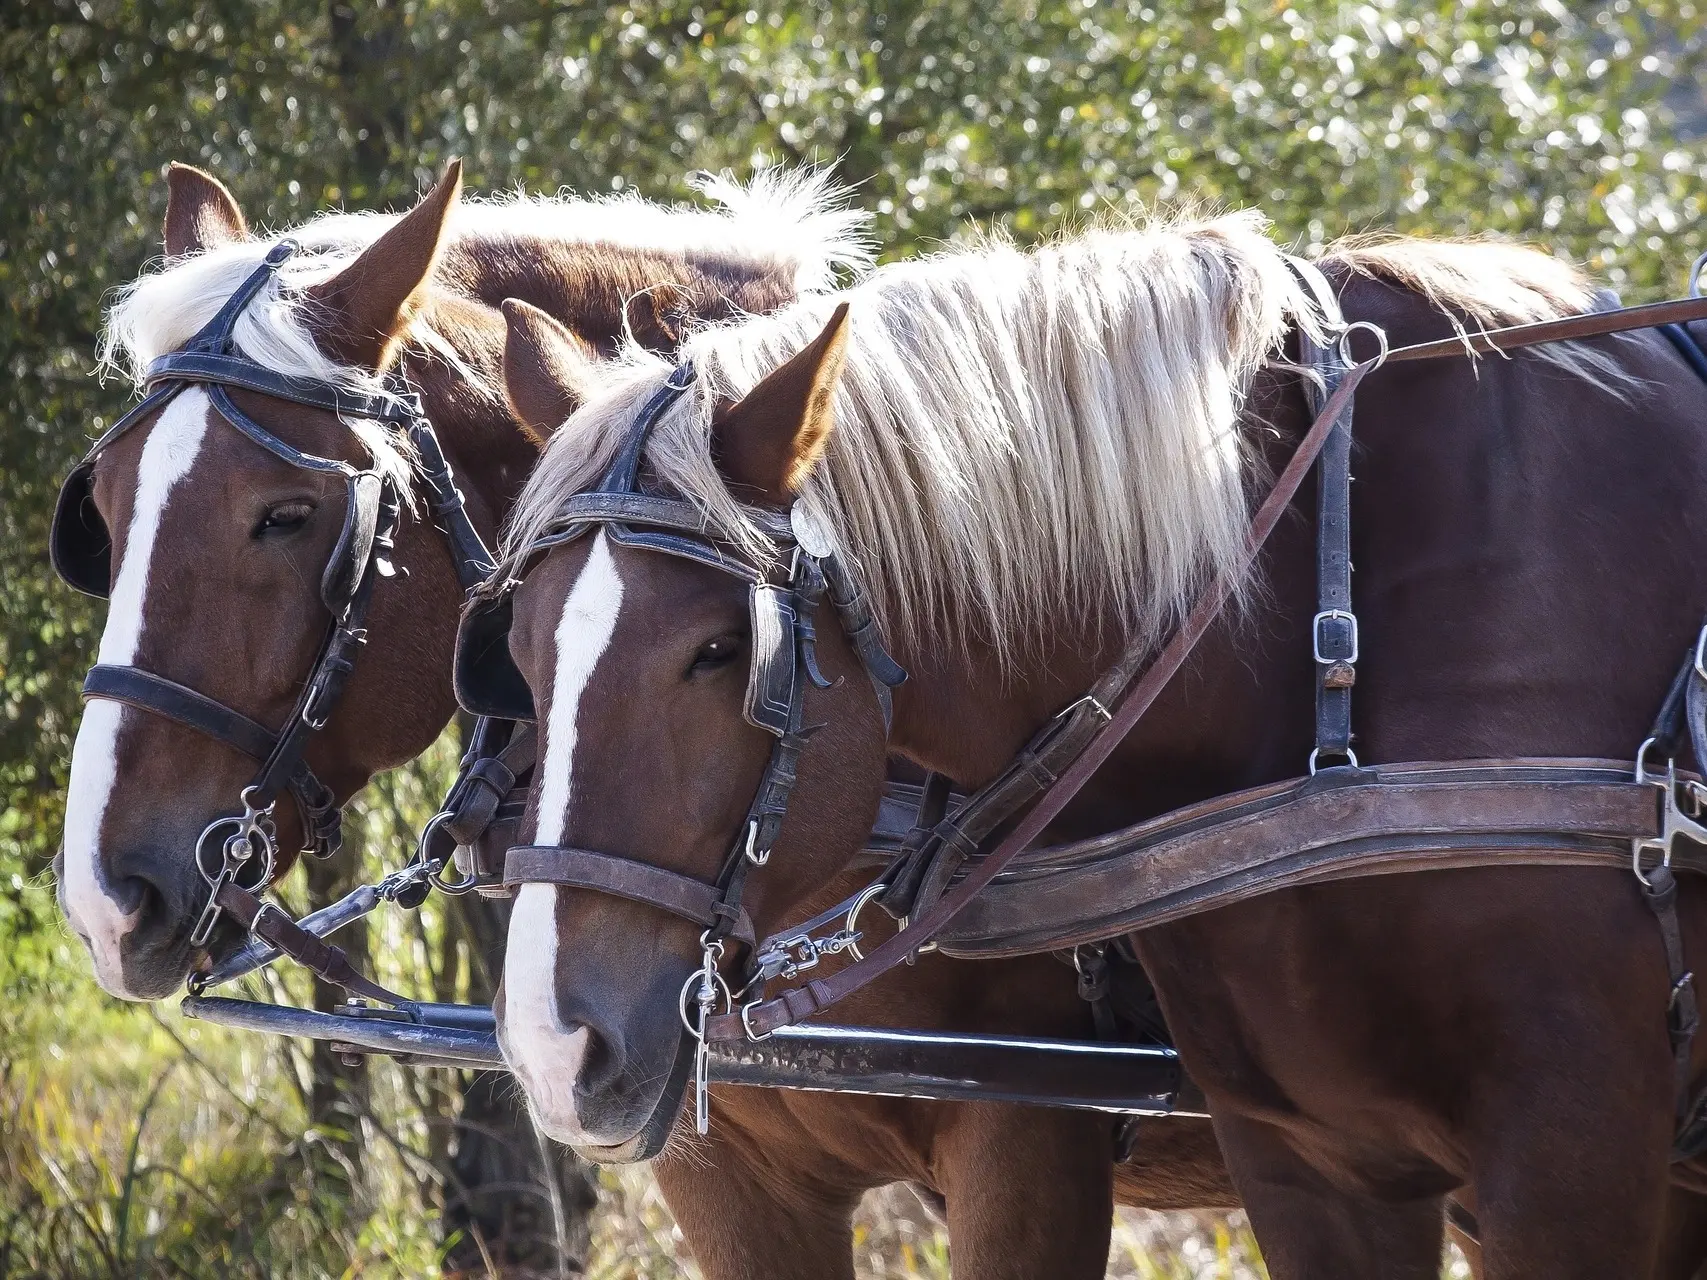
(1235,714)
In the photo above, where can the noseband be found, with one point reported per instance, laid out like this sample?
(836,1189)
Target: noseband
(233,849)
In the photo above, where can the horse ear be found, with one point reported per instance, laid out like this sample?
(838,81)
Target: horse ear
(361,313)
(547,368)
(769,440)
(200,212)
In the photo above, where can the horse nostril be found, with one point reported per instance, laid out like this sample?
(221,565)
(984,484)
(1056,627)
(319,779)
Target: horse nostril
(131,893)
(139,882)
(601,1063)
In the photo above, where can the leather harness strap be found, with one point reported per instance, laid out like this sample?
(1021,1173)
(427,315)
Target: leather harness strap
(270,924)
(1338,824)
(1333,631)
(693,900)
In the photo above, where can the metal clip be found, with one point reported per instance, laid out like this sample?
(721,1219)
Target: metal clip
(1090,699)
(1674,822)
(786,958)
(705,983)
(752,852)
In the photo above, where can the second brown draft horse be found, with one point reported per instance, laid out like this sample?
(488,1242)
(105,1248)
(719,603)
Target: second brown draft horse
(1029,462)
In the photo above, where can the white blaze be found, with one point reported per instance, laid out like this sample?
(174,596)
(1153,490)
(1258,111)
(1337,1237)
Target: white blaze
(545,1054)
(173,443)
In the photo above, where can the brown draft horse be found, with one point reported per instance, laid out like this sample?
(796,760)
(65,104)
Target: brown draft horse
(228,545)
(1030,459)
(771,1191)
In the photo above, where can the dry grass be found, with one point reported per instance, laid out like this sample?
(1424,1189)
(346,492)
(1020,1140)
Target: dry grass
(895,1239)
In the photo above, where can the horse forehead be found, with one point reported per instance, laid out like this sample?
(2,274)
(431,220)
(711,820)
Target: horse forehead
(228,464)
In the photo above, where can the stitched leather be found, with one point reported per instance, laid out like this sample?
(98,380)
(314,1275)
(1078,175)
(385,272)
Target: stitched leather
(693,900)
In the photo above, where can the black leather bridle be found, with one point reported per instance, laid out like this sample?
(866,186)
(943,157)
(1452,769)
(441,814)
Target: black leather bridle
(81,551)
(781,601)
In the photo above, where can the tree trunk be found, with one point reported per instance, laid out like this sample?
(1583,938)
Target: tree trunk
(339,1095)
(508,1188)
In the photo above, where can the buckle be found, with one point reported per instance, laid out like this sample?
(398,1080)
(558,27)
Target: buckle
(1674,821)
(1340,615)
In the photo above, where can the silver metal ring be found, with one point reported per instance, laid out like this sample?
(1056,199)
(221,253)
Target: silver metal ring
(698,1033)
(1343,346)
(866,895)
(1695,274)
(1348,753)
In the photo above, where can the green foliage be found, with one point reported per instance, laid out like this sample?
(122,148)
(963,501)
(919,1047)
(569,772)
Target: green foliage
(1579,126)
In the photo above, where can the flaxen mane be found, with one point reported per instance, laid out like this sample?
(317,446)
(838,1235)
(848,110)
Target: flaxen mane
(796,222)
(1025,436)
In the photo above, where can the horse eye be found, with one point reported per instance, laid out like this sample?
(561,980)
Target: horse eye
(287,517)
(717,652)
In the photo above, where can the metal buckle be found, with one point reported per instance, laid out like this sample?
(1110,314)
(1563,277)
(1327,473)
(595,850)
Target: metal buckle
(1344,615)
(746,1020)
(752,853)
(1674,822)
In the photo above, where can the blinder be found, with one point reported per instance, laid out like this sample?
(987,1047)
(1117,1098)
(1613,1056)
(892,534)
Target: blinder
(485,676)
(79,545)
(774,672)
(354,548)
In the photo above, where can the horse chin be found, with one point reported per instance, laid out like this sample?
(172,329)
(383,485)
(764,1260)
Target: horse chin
(659,1127)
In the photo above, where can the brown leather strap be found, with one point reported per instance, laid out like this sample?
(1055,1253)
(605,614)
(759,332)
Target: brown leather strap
(767,1016)
(693,900)
(271,925)
(488,782)
(1340,824)
(1594,324)
(1659,890)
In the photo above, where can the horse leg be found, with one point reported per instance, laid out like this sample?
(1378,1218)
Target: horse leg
(1683,1245)
(1567,1193)
(1310,1229)
(750,1218)
(1030,1191)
